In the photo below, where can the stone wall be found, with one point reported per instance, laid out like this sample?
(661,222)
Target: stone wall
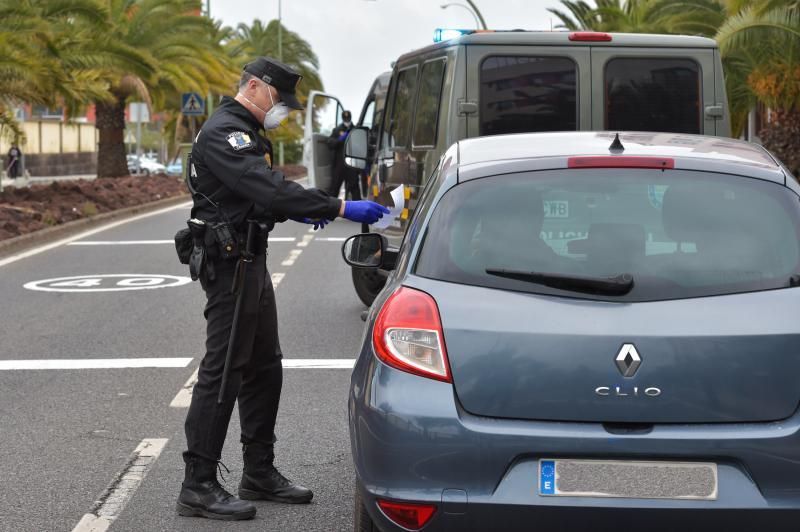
(56,164)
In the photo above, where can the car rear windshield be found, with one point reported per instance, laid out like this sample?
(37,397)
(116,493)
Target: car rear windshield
(676,234)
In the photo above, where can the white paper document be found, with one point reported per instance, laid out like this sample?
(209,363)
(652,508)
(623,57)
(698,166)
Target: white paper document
(399,199)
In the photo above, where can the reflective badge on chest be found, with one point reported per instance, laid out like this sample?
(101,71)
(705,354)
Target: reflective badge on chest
(268,158)
(239,140)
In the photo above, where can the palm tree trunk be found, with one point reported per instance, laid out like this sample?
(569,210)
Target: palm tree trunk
(781,136)
(111,160)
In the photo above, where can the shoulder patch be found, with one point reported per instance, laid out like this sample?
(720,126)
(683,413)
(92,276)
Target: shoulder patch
(239,140)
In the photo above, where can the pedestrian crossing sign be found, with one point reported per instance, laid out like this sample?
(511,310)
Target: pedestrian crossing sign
(192,104)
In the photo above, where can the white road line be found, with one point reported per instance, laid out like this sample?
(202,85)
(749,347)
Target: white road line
(184,397)
(277,278)
(319,363)
(113,500)
(305,241)
(282,239)
(94,363)
(119,242)
(293,254)
(81,236)
(332,239)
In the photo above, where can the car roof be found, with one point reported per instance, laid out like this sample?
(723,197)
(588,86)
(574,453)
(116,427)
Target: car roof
(561,38)
(699,152)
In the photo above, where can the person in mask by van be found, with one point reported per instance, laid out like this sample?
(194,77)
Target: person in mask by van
(341,172)
(238,198)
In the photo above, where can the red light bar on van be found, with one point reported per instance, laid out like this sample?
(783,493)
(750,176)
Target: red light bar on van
(590,36)
(621,161)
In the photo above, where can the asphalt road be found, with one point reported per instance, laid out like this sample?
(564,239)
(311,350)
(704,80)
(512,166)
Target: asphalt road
(67,435)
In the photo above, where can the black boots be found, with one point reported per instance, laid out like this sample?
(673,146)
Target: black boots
(261,481)
(202,496)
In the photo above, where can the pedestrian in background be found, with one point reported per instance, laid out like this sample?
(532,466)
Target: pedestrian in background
(341,172)
(14,161)
(238,198)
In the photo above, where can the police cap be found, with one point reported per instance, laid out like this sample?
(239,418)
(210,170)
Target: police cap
(280,76)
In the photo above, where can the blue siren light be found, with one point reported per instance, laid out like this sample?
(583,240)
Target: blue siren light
(445,34)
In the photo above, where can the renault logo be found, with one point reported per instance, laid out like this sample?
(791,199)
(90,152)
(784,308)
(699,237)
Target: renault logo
(628,360)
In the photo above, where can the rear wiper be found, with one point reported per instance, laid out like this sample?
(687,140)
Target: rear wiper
(614,286)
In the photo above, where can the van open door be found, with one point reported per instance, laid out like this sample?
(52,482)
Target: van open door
(323,114)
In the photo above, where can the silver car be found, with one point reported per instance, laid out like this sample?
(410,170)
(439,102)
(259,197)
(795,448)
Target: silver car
(585,332)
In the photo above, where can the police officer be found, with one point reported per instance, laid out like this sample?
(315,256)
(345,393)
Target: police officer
(236,190)
(342,172)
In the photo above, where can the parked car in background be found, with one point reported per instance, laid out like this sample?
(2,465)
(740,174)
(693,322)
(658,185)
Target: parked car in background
(146,166)
(175,168)
(493,83)
(585,333)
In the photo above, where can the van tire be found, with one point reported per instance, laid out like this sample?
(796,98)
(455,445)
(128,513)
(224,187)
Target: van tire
(362,522)
(368,283)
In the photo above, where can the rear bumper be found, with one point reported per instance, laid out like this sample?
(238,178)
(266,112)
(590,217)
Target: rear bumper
(412,442)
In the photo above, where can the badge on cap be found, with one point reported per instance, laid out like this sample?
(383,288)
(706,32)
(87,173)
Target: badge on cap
(239,140)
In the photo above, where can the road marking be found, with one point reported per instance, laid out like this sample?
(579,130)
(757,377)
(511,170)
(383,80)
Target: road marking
(319,363)
(119,242)
(81,236)
(120,282)
(276,279)
(332,239)
(281,239)
(94,363)
(184,397)
(114,498)
(293,254)
(306,240)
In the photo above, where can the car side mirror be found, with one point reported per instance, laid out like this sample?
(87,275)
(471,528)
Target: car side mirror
(368,250)
(355,148)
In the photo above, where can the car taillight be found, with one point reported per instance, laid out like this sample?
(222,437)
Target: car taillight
(408,335)
(410,516)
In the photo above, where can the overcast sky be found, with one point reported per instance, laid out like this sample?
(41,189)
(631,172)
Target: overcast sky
(356,40)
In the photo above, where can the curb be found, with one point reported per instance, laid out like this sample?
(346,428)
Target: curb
(50,234)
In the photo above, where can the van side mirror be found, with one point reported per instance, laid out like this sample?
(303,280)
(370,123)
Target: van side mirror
(355,148)
(368,250)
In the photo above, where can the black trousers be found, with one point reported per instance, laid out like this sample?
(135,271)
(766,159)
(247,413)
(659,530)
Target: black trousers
(351,183)
(256,374)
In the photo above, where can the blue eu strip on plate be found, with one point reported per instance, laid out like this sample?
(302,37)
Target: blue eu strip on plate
(547,477)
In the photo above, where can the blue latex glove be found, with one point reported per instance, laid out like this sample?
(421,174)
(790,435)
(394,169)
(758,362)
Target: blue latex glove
(366,212)
(319,223)
(343,136)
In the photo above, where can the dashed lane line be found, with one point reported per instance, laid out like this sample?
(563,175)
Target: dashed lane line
(306,239)
(94,363)
(83,235)
(276,279)
(293,255)
(332,238)
(184,397)
(113,500)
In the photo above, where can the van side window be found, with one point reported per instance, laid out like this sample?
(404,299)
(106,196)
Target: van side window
(400,120)
(430,93)
(521,94)
(653,94)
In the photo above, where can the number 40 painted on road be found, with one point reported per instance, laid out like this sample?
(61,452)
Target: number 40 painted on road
(107,283)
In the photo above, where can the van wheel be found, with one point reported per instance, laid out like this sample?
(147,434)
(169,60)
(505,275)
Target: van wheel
(368,283)
(362,522)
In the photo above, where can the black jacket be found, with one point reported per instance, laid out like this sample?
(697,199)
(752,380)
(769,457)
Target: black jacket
(231,163)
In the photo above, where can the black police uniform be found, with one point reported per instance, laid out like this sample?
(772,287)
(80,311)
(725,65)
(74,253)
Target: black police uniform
(341,172)
(232,173)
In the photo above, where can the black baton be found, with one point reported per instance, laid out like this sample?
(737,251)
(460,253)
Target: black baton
(245,257)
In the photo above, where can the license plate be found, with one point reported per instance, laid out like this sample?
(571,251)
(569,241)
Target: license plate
(629,479)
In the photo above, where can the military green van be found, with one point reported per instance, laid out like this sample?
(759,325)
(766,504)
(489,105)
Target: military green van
(491,83)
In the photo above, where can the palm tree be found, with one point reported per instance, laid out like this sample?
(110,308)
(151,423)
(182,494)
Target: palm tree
(163,48)
(769,38)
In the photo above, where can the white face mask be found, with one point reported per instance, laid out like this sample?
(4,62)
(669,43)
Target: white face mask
(275,116)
